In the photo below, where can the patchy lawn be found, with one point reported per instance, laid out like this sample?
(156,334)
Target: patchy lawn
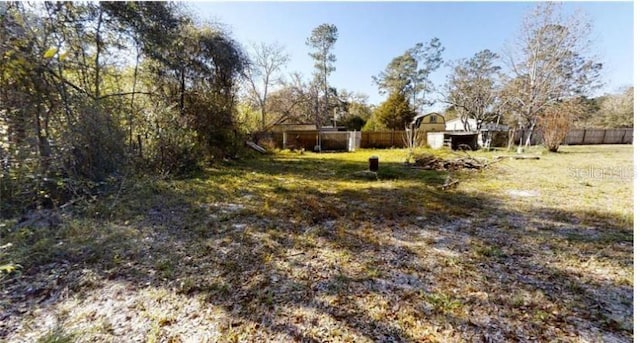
(293,247)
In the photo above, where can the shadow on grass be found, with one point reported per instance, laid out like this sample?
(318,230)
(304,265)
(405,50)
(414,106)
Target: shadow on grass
(256,252)
(325,169)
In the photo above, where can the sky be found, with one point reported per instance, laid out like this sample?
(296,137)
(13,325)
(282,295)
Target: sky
(370,34)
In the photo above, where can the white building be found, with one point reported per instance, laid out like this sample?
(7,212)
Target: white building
(457,125)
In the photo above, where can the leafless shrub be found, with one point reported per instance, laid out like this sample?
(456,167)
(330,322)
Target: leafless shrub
(555,123)
(412,139)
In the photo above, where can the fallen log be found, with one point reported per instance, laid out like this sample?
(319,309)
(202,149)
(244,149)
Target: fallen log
(449,184)
(517,157)
(256,147)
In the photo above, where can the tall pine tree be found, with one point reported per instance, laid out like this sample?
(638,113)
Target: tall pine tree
(395,112)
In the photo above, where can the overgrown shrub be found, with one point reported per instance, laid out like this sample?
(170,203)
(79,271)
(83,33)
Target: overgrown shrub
(75,114)
(171,145)
(212,117)
(95,144)
(555,123)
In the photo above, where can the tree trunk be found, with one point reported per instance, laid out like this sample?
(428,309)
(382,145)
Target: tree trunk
(182,89)
(263,103)
(97,59)
(510,137)
(530,130)
(263,115)
(44,149)
(465,123)
(133,95)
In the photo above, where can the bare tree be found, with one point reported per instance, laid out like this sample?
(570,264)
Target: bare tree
(262,74)
(548,62)
(472,88)
(294,101)
(412,139)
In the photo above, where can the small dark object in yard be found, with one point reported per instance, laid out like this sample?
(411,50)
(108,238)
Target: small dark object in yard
(373,163)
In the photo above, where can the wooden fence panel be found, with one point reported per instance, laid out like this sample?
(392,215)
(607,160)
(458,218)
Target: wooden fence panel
(335,141)
(382,139)
(627,138)
(329,141)
(615,136)
(574,137)
(599,136)
(299,140)
(594,136)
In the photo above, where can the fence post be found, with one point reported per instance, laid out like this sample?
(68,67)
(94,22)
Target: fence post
(604,136)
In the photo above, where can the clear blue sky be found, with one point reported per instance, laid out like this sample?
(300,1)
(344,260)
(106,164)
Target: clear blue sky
(372,33)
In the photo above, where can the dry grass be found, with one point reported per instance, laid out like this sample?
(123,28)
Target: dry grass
(293,247)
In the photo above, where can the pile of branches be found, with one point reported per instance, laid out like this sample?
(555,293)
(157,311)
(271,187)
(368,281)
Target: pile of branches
(431,162)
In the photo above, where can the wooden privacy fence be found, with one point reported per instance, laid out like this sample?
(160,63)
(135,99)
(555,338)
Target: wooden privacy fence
(382,139)
(574,137)
(328,141)
(351,140)
(342,140)
(599,136)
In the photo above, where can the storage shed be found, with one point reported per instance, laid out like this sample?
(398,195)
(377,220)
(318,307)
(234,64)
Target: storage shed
(462,140)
